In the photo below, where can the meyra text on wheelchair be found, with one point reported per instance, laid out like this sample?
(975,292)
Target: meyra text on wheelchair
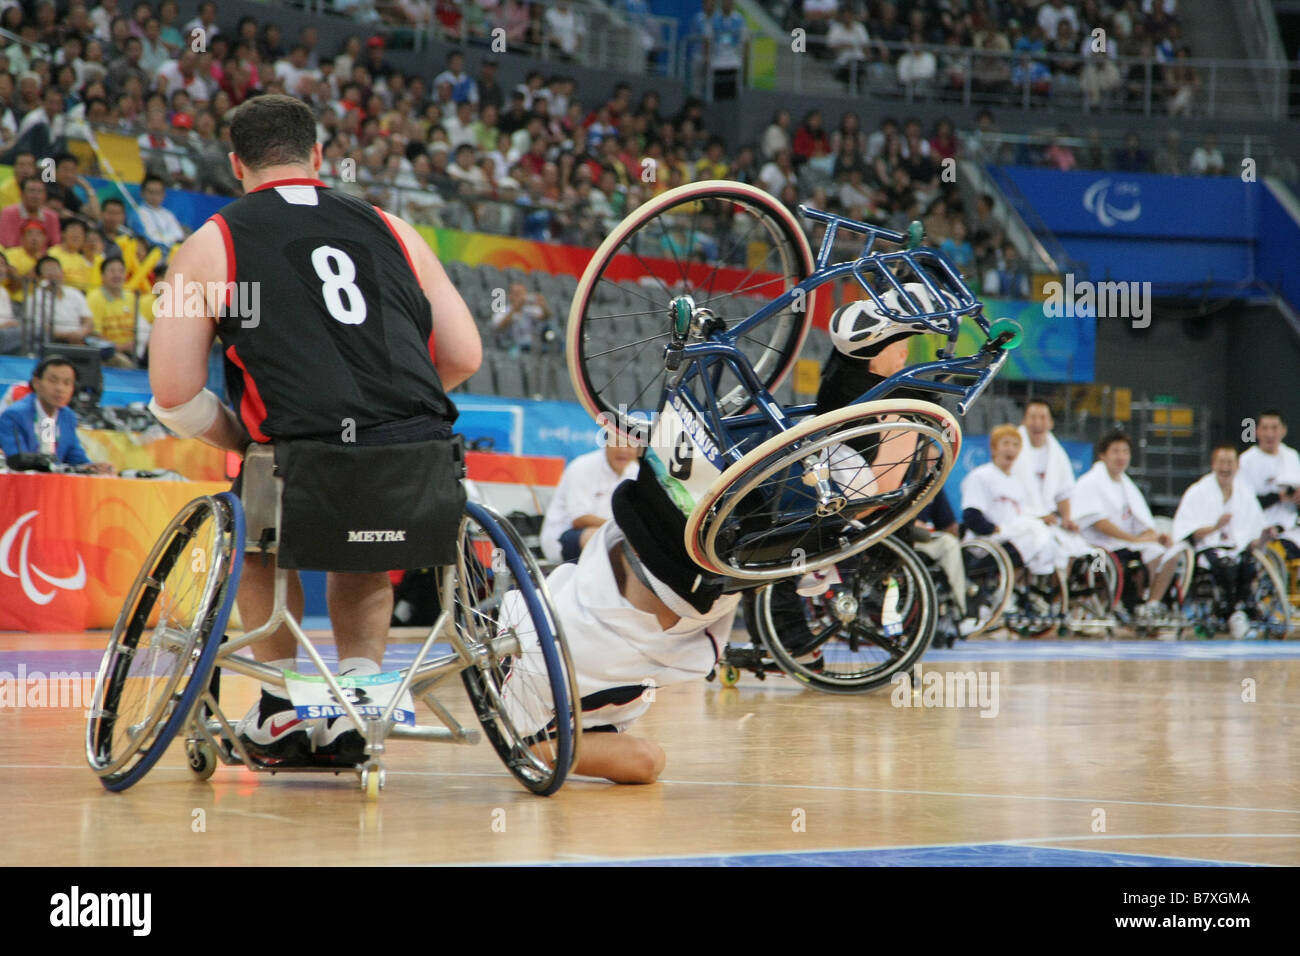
(689,318)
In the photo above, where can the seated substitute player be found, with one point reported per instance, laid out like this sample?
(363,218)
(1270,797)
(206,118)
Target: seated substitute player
(1221,518)
(1044,466)
(1114,515)
(357,323)
(638,613)
(1271,470)
(996,503)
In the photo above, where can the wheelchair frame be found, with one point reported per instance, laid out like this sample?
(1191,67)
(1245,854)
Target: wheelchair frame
(210,735)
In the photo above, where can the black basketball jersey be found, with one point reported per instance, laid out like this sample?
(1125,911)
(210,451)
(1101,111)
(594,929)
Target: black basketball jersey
(341,330)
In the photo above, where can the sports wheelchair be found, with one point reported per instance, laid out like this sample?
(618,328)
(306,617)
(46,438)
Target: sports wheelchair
(771,489)
(1201,599)
(1083,599)
(161,672)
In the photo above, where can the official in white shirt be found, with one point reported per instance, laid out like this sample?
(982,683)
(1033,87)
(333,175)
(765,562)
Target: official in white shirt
(583,500)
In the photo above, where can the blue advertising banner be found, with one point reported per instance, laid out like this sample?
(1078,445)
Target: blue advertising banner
(1166,230)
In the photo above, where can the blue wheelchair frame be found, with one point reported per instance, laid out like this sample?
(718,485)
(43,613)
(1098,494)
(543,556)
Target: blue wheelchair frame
(704,362)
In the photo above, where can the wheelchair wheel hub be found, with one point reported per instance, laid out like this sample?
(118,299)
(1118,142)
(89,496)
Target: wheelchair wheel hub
(827,507)
(845,607)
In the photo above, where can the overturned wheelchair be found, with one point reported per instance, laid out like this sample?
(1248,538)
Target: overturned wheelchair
(161,674)
(771,489)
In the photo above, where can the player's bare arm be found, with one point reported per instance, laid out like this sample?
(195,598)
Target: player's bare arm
(181,345)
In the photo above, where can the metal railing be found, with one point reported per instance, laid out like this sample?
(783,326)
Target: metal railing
(1241,89)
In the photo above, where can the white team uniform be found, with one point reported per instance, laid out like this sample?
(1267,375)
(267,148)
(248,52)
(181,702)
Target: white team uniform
(1047,473)
(619,652)
(1266,474)
(1097,497)
(1201,507)
(1004,500)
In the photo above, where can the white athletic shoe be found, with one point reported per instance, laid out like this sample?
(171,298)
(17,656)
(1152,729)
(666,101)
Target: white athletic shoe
(1238,625)
(815,583)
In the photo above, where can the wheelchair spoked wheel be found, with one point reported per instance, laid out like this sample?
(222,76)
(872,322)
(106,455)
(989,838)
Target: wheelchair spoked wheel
(806,498)
(989,578)
(731,247)
(1269,599)
(1042,604)
(525,696)
(837,641)
(160,655)
(1094,586)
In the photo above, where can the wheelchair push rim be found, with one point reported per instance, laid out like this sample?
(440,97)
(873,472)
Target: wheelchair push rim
(712,545)
(511,693)
(616,351)
(183,555)
(995,562)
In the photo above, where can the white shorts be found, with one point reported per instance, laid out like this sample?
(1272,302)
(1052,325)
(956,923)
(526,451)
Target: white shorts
(621,654)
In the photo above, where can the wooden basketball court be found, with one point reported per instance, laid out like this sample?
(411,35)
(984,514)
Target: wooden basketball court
(1091,752)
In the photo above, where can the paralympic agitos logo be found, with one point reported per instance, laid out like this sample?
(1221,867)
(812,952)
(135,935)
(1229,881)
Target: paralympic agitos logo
(26,572)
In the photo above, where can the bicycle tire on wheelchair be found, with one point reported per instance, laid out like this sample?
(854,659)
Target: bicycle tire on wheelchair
(203,543)
(850,631)
(733,529)
(493,561)
(616,356)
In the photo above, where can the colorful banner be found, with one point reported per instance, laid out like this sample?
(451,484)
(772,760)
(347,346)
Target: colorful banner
(1054,349)
(71,545)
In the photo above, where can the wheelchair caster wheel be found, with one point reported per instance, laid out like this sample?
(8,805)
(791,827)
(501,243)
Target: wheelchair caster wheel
(202,757)
(729,676)
(371,782)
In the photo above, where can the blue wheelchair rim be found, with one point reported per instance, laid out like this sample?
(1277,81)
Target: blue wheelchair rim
(199,679)
(544,622)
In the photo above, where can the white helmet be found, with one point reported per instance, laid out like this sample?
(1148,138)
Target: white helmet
(859,328)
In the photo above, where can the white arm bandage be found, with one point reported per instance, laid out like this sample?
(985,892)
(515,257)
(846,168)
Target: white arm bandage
(191,418)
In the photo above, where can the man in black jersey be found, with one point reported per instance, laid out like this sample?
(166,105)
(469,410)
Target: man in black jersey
(339,316)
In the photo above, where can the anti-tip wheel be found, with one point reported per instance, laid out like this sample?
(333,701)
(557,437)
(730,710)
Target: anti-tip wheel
(372,781)
(202,757)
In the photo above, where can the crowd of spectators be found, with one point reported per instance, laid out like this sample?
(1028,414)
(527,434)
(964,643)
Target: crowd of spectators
(1053,48)
(542,159)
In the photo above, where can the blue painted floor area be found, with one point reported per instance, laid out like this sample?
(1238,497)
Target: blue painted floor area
(974,854)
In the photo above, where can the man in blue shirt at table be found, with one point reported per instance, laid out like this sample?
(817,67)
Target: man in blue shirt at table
(42,423)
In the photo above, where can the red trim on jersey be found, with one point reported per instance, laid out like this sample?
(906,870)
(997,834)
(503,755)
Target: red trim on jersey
(289,182)
(433,351)
(391,228)
(224,226)
(252,410)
